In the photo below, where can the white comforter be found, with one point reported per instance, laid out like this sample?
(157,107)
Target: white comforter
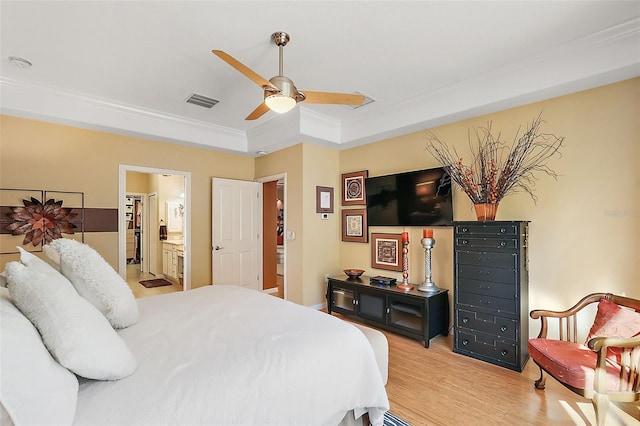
(225,355)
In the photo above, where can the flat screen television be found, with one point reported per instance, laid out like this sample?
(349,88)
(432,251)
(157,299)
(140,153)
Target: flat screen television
(417,198)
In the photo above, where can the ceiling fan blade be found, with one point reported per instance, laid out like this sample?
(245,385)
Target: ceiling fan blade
(333,98)
(258,112)
(248,72)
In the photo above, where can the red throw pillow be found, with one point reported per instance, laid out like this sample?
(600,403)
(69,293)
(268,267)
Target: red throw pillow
(614,320)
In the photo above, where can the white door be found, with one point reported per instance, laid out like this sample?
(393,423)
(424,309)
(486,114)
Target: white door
(153,231)
(237,233)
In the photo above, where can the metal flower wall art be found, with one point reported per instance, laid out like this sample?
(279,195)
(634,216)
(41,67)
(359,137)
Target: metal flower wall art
(38,221)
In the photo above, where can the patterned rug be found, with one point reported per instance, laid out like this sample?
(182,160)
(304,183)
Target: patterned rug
(393,420)
(158,282)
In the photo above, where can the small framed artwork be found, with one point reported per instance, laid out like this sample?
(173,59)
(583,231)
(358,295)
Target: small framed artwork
(386,251)
(354,225)
(353,191)
(175,214)
(324,199)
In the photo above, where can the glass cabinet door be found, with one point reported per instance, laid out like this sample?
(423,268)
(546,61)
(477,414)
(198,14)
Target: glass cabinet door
(372,305)
(403,313)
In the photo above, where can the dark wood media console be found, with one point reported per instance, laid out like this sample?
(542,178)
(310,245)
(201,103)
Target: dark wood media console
(411,313)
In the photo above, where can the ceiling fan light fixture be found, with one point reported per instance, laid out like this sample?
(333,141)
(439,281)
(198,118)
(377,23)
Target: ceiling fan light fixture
(280,94)
(280,103)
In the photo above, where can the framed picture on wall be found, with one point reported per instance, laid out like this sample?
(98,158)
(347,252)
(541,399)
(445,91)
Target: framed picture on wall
(354,225)
(353,191)
(175,214)
(324,199)
(386,251)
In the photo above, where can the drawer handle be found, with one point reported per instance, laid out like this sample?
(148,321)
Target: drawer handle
(465,242)
(503,230)
(480,302)
(503,243)
(504,352)
(465,320)
(484,287)
(484,272)
(503,328)
(465,229)
(465,342)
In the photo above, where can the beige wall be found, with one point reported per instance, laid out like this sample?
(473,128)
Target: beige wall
(138,182)
(289,161)
(584,229)
(38,155)
(313,253)
(321,236)
(169,190)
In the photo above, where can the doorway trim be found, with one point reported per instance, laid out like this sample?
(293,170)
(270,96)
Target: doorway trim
(283,177)
(122,243)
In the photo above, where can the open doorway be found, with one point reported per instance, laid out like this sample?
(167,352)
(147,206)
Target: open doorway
(135,212)
(274,241)
(163,200)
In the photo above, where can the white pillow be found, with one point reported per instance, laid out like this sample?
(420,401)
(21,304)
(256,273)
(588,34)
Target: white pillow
(35,389)
(51,256)
(96,281)
(75,332)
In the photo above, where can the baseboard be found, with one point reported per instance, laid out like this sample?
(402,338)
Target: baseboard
(319,307)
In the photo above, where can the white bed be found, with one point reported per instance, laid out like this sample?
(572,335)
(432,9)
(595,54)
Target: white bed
(226,355)
(216,355)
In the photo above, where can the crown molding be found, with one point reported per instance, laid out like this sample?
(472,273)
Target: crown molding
(41,102)
(319,126)
(275,134)
(602,58)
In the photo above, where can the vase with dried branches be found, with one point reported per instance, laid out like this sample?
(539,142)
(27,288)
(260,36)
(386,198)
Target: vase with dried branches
(497,168)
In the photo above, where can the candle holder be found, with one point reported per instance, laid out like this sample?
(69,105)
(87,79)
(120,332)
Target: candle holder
(405,268)
(428,285)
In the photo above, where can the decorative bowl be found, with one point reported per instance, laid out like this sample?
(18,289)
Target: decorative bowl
(354,273)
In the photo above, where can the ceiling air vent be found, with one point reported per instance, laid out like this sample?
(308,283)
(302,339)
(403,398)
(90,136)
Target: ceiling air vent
(367,100)
(202,101)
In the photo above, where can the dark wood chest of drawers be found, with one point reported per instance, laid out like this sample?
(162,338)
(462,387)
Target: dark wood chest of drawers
(491,288)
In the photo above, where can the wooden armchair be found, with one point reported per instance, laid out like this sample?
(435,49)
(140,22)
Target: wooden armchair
(607,366)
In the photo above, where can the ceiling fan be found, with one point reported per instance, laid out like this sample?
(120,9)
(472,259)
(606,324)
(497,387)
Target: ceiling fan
(280,94)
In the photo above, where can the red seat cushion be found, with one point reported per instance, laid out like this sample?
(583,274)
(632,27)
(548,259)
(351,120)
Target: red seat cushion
(571,363)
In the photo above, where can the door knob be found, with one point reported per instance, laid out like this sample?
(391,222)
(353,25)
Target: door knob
(218,248)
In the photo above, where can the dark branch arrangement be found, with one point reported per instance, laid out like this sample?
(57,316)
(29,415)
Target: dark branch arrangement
(496,169)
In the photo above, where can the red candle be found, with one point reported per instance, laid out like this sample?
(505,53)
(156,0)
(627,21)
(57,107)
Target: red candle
(427,233)
(405,237)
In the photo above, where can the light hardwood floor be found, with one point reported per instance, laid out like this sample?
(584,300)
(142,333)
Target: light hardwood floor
(438,387)
(134,276)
